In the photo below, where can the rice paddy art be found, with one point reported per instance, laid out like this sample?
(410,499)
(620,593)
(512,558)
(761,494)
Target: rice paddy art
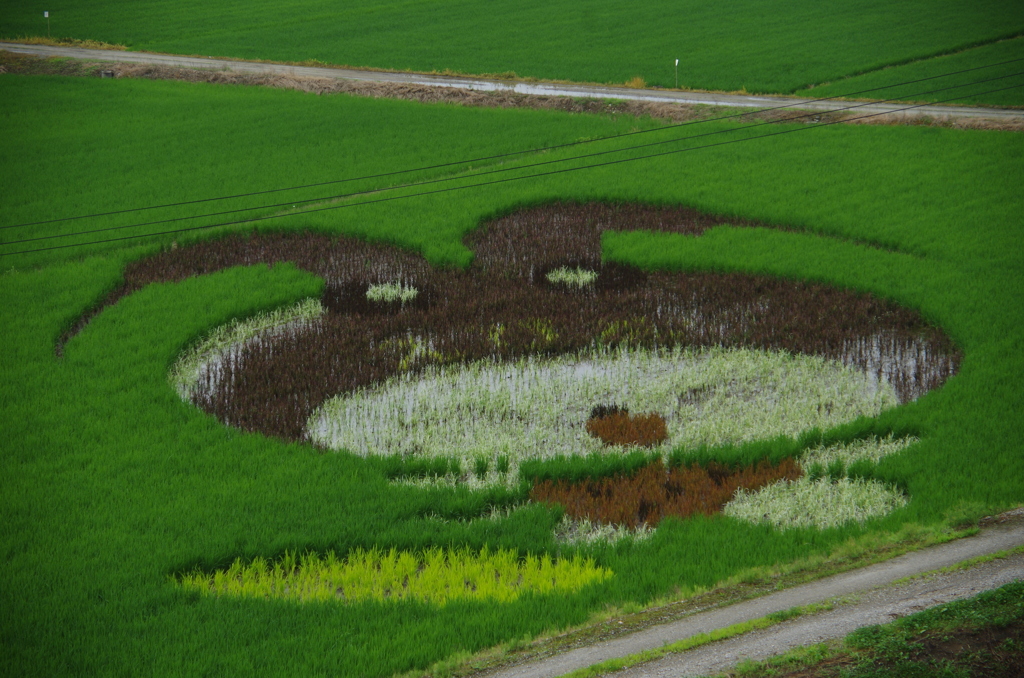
(540,349)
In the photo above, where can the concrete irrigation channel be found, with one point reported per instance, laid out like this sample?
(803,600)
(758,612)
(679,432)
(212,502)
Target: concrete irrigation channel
(518,87)
(863,597)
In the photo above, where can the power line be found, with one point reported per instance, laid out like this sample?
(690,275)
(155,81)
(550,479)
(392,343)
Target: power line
(498,181)
(498,156)
(293,203)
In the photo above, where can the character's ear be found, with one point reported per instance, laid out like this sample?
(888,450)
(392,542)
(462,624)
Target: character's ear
(531,242)
(537,240)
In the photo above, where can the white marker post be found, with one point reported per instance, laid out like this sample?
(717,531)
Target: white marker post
(677,73)
(47,15)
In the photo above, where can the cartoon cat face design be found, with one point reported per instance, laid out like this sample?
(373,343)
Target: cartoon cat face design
(541,349)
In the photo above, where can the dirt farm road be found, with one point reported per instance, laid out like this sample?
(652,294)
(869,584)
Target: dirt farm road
(487,85)
(862,597)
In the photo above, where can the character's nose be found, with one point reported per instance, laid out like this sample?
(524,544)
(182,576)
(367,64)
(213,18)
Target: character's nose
(613,425)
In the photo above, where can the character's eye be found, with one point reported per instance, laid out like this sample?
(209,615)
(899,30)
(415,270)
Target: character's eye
(577,277)
(395,292)
(375,298)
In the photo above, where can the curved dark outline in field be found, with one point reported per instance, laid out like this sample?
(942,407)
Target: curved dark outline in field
(273,387)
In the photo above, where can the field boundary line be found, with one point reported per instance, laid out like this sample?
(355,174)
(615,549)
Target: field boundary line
(504,86)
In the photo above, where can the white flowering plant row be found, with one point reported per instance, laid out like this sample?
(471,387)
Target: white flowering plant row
(203,357)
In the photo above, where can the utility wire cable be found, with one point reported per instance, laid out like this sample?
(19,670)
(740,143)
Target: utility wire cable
(427,182)
(503,155)
(496,181)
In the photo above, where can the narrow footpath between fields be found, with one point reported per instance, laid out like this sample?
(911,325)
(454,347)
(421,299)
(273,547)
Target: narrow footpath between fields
(865,597)
(512,86)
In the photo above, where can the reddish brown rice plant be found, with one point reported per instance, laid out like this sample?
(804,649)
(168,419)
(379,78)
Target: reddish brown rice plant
(621,428)
(655,493)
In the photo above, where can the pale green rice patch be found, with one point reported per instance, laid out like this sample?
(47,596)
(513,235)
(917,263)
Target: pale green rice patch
(818,503)
(583,531)
(225,339)
(538,407)
(871,449)
(470,478)
(824,501)
(391,292)
(571,277)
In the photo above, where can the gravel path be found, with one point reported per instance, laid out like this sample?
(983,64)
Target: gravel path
(878,605)
(480,84)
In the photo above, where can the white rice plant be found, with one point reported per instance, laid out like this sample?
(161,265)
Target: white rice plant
(824,502)
(538,407)
(571,277)
(583,531)
(391,292)
(818,503)
(872,449)
(205,357)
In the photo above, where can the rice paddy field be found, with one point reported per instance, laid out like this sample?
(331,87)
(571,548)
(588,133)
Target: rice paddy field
(746,45)
(1005,52)
(198,474)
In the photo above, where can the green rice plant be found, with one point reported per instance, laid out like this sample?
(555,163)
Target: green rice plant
(571,277)
(437,576)
(103,462)
(998,52)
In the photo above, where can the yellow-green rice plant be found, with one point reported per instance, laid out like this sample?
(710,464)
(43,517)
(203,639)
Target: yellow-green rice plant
(437,576)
